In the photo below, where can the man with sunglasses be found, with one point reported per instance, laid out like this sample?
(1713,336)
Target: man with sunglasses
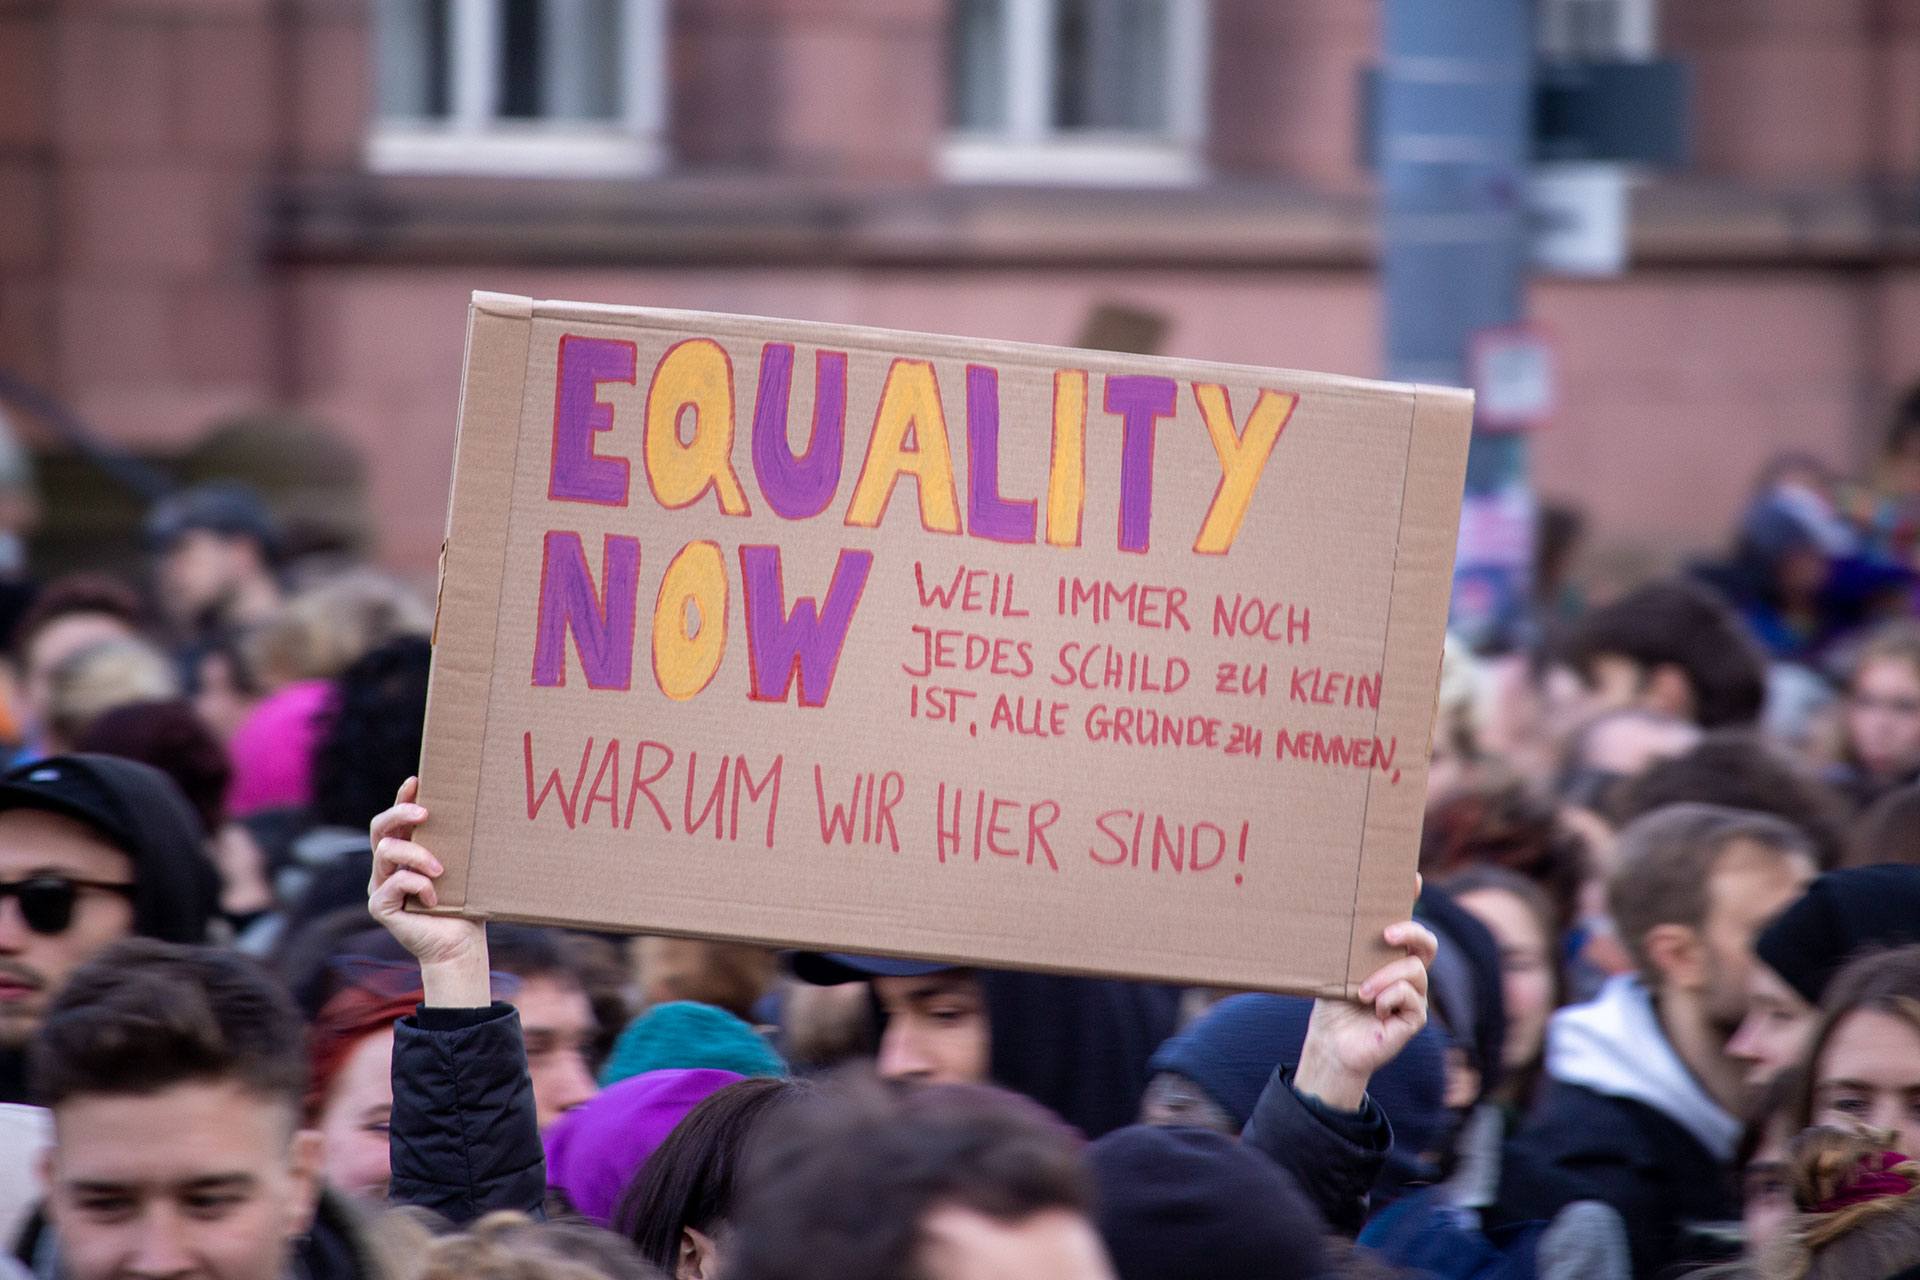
(93,849)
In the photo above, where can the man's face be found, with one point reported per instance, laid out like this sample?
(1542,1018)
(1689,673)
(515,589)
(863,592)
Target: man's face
(559,1028)
(1751,884)
(200,570)
(1054,1244)
(201,1181)
(35,844)
(1776,1029)
(937,1030)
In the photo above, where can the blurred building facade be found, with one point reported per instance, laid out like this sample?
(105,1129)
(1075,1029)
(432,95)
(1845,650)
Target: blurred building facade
(207,206)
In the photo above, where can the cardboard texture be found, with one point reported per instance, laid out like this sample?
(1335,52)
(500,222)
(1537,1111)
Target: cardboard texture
(847,639)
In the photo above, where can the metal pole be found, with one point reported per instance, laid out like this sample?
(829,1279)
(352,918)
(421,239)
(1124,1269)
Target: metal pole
(1455,130)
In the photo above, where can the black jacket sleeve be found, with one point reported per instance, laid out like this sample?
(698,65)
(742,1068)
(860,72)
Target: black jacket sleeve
(1334,1155)
(464,1139)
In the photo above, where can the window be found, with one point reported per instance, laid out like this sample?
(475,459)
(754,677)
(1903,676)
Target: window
(1598,29)
(1077,91)
(519,87)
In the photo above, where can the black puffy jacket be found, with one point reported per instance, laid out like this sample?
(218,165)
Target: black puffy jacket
(464,1138)
(1334,1155)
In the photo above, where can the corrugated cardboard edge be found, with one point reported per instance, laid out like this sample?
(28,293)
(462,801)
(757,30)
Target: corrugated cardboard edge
(499,332)
(1436,474)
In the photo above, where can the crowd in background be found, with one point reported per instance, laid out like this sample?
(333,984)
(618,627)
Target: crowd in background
(1658,1012)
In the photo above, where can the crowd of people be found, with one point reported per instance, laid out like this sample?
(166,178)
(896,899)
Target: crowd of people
(1657,1012)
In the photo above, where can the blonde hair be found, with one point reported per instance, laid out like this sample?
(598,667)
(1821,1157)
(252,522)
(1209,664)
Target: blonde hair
(106,674)
(511,1246)
(327,628)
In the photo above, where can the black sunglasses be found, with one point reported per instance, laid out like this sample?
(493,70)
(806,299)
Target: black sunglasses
(46,901)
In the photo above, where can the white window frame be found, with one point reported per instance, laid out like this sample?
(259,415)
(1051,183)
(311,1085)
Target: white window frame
(474,139)
(1030,150)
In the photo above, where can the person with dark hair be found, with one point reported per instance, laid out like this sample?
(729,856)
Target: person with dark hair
(1843,915)
(1889,832)
(1672,649)
(93,849)
(69,615)
(946,1182)
(1500,822)
(176,1076)
(679,1207)
(557,1021)
(1738,770)
(216,550)
(1766,1183)
(1641,1102)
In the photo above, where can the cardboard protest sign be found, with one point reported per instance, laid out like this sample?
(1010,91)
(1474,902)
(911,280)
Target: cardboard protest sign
(857,640)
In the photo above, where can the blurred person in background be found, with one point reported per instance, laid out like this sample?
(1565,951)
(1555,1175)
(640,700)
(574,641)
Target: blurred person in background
(728,975)
(683,1034)
(1660,665)
(1796,574)
(1857,1212)
(1842,915)
(172,738)
(512,1246)
(1642,1096)
(1766,1179)
(296,654)
(1887,832)
(70,614)
(94,680)
(1740,770)
(1880,725)
(1522,921)
(215,550)
(595,1150)
(1888,510)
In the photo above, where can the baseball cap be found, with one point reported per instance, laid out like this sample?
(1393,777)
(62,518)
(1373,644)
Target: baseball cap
(831,968)
(220,506)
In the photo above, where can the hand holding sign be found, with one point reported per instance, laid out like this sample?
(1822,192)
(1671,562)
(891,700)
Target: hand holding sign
(452,952)
(1348,1040)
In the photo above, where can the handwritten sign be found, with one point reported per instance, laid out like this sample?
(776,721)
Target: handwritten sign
(1000,654)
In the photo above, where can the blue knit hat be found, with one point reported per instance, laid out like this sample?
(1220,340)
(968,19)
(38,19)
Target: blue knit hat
(685,1035)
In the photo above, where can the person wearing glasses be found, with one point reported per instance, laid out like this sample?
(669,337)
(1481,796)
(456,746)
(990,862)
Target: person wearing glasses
(93,849)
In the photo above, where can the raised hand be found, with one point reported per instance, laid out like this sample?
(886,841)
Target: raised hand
(1348,1040)
(452,952)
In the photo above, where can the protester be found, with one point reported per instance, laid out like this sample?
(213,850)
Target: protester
(350,1090)
(679,1208)
(1880,738)
(557,1021)
(1842,915)
(71,614)
(727,975)
(1501,822)
(1863,1064)
(1738,770)
(1521,919)
(215,548)
(1766,1179)
(511,1246)
(92,850)
(1641,1099)
(1076,1045)
(92,681)
(175,1078)
(1859,1212)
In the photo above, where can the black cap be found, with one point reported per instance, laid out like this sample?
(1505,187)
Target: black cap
(1842,915)
(140,811)
(1178,1203)
(831,968)
(220,506)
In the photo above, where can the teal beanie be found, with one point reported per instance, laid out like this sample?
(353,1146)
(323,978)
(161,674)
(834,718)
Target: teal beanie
(685,1035)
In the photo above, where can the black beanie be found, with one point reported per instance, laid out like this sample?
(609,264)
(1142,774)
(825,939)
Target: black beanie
(1190,1204)
(1843,914)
